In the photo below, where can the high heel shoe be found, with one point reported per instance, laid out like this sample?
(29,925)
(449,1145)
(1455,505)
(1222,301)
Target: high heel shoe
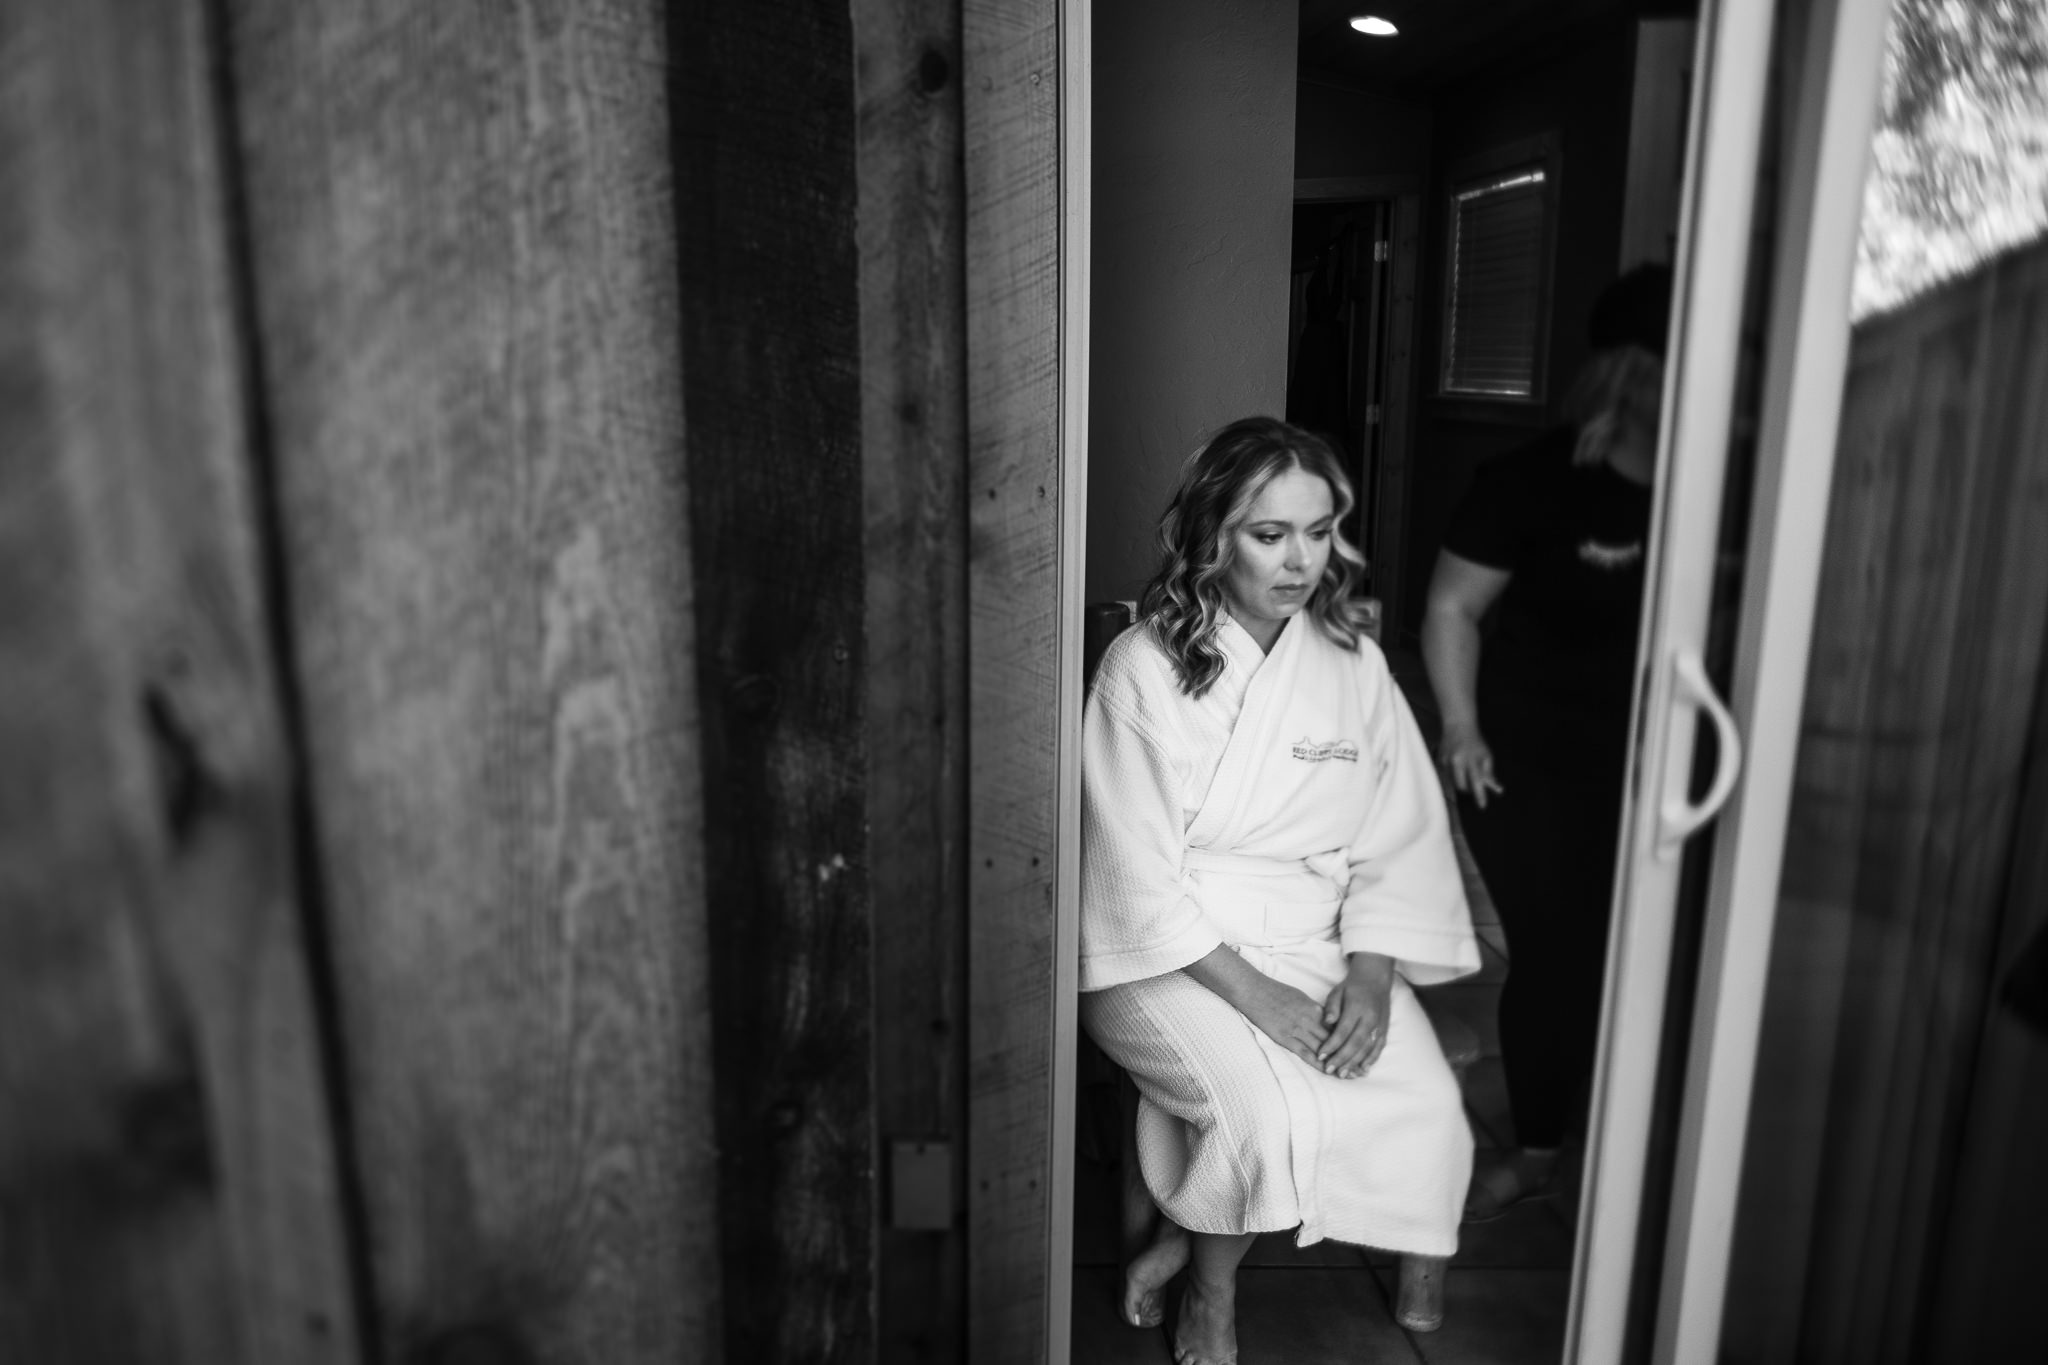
(1420,1305)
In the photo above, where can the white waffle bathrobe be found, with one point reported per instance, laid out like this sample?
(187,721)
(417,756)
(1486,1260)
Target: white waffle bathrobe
(1291,812)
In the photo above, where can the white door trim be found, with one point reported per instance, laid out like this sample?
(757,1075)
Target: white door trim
(1076,79)
(1833,120)
(1725,131)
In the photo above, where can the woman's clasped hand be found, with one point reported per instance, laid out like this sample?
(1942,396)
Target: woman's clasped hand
(1344,1035)
(1356,1012)
(1290,1018)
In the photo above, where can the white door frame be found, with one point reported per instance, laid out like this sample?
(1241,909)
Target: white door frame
(1831,113)
(1076,76)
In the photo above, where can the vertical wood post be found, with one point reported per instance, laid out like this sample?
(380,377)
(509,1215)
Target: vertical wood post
(1012,76)
(914,461)
(766,154)
(462,229)
(169,1187)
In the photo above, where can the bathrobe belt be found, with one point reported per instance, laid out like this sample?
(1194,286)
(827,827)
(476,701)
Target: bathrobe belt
(1334,865)
(1244,916)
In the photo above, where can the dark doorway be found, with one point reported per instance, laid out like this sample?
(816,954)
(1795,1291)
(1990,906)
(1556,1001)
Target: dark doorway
(1336,346)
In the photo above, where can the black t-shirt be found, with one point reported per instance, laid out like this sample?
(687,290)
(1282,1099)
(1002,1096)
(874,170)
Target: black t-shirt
(1557,671)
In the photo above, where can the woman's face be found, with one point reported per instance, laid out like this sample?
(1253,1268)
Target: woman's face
(1278,554)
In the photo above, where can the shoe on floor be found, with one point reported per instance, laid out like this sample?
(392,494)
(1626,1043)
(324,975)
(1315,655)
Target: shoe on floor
(1501,1180)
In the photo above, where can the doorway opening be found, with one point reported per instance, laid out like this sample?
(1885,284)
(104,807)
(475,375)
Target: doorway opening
(1350,341)
(1302,264)
(1336,341)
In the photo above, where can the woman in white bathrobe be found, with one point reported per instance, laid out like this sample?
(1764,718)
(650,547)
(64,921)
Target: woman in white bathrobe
(1266,869)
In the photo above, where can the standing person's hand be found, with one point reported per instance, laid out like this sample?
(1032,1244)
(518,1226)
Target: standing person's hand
(1289,1018)
(1469,761)
(1356,1012)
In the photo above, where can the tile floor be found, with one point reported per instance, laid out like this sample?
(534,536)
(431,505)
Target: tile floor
(1504,1300)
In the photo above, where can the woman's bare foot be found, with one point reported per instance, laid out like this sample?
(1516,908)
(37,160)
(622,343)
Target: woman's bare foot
(1145,1278)
(1205,1331)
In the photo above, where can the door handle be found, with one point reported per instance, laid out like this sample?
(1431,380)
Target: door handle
(1678,818)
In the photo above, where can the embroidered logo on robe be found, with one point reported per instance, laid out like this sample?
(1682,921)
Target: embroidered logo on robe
(1611,556)
(1322,751)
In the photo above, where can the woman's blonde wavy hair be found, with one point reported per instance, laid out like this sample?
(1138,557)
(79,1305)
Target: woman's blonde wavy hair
(1183,605)
(1620,387)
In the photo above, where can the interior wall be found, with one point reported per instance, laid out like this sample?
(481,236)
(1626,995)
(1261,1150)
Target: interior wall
(1584,98)
(1192,195)
(1340,131)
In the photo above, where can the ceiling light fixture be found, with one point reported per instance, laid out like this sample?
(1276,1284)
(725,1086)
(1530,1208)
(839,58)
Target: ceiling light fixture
(1374,25)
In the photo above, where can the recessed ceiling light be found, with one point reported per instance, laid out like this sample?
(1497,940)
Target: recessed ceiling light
(1373,24)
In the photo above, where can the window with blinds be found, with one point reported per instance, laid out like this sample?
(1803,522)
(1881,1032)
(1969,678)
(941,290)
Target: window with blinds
(1494,312)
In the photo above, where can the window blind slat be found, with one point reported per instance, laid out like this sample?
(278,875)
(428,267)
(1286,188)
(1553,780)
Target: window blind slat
(1496,288)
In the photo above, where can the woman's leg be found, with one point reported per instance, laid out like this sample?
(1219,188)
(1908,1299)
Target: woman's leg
(1182,1044)
(1546,848)
(1213,1128)
(1146,1274)
(1206,1332)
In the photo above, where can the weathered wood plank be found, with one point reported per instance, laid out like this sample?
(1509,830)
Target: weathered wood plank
(462,227)
(1012,88)
(914,439)
(169,1189)
(772,354)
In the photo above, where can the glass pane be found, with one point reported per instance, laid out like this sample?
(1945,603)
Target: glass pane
(1894,1203)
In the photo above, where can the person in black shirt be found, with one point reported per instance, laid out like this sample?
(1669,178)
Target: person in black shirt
(1530,644)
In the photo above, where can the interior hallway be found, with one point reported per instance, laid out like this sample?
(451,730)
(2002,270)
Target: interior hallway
(1505,1298)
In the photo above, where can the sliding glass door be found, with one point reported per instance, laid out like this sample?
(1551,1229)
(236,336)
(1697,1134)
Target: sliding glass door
(1782,118)
(1867,965)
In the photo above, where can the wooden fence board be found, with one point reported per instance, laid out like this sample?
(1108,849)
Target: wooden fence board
(772,355)
(168,1182)
(1996,1239)
(1012,81)
(462,232)
(1930,643)
(1998,614)
(1897,849)
(1825,827)
(913,426)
